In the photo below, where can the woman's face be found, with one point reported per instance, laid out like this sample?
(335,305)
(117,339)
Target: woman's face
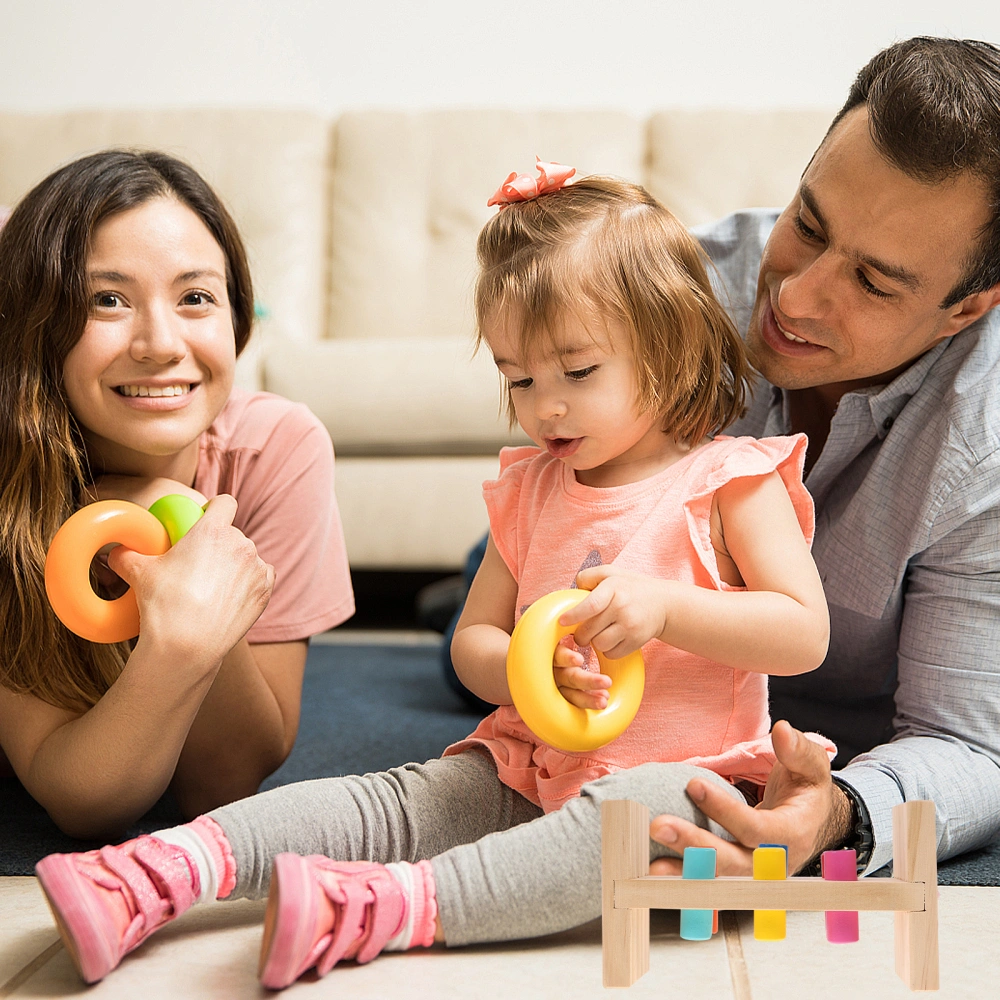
(155,364)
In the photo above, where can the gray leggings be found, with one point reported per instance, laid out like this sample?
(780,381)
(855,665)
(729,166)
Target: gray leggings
(502,868)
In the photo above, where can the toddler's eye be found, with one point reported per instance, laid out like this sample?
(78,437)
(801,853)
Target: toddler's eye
(520,383)
(582,373)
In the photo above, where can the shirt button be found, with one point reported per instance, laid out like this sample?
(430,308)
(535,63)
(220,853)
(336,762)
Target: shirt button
(887,423)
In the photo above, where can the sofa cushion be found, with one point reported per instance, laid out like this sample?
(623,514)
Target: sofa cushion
(270,167)
(396,396)
(409,195)
(705,164)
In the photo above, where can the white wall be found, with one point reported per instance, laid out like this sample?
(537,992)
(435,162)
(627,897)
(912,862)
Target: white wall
(328,56)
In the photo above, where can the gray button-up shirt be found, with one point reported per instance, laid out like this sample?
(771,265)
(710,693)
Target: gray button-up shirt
(907,493)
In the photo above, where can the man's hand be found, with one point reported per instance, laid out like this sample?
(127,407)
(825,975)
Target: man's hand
(802,808)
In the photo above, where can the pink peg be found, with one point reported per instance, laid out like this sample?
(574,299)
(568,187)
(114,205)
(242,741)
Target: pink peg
(841,866)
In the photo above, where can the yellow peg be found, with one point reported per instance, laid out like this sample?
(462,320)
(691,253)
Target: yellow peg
(770,862)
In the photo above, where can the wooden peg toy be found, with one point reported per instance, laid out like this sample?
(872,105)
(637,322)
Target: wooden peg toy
(628,892)
(698,925)
(841,866)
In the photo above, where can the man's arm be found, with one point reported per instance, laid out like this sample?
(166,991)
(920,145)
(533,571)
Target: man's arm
(947,746)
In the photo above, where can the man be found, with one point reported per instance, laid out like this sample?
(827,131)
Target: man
(866,307)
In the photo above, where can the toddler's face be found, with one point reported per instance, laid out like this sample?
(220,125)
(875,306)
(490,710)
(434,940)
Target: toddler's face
(155,363)
(576,398)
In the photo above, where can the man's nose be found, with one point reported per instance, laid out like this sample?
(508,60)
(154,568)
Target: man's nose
(803,293)
(158,335)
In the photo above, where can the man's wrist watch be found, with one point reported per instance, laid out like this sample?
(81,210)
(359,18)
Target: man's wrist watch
(860,837)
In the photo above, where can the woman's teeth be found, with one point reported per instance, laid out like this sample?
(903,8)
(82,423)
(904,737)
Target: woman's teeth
(154,390)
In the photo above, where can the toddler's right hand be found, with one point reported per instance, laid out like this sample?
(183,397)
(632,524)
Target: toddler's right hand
(578,685)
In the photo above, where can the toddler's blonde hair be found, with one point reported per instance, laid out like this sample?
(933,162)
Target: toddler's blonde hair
(605,248)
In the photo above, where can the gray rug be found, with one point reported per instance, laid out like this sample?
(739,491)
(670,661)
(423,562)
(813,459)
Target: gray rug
(364,708)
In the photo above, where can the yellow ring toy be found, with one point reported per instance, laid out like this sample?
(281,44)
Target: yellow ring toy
(67,564)
(533,687)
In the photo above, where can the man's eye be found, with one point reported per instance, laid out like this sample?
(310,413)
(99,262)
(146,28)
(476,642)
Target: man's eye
(582,373)
(870,288)
(107,300)
(804,231)
(520,383)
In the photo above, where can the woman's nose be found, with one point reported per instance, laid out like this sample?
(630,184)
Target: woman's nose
(158,335)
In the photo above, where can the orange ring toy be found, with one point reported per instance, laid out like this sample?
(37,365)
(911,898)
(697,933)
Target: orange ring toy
(67,567)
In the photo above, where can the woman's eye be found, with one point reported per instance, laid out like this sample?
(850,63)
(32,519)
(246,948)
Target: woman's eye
(107,300)
(582,373)
(197,299)
(520,383)
(870,288)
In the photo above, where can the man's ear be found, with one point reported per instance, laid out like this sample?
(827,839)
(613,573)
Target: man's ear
(971,308)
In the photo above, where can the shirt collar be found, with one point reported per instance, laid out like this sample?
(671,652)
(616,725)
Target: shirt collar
(885,402)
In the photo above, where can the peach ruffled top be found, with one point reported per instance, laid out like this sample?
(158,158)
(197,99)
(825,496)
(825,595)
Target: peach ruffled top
(547,527)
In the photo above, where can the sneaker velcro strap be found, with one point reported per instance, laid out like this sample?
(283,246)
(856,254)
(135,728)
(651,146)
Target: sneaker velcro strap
(351,897)
(177,878)
(148,900)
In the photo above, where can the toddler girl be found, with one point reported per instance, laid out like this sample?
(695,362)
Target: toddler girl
(619,364)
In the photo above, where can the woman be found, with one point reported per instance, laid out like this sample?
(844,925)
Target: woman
(125,299)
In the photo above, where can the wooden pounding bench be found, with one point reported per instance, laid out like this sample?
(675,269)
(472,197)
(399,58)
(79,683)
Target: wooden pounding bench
(629,892)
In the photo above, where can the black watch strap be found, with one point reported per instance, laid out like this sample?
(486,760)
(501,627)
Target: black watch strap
(861,837)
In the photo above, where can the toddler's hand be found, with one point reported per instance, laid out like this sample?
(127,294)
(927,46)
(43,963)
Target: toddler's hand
(623,611)
(579,686)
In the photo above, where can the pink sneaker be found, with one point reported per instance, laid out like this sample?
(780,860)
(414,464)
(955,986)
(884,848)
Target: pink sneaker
(320,911)
(108,902)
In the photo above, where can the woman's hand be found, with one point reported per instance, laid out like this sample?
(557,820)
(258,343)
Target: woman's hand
(623,611)
(201,597)
(578,685)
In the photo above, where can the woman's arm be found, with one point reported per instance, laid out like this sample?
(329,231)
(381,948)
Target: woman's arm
(778,625)
(245,727)
(98,771)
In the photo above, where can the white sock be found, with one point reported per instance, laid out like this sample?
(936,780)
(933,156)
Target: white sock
(181,836)
(400,871)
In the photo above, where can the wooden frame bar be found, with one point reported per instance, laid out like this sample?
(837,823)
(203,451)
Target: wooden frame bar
(629,892)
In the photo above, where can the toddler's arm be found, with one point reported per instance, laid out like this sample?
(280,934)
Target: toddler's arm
(778,625)
(482,636)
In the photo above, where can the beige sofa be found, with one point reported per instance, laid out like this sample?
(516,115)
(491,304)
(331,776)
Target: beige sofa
(361,233)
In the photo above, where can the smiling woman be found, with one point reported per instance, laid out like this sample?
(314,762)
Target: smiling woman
(125,299)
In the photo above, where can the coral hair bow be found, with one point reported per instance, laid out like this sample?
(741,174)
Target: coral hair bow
(522,187)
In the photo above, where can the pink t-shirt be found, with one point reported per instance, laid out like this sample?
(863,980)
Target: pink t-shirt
(547,527)
(276,458)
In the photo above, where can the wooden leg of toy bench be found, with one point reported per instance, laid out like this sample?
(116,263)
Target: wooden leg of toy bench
(624,854)
(914,858)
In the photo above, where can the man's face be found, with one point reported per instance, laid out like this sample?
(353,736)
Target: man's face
(854,273)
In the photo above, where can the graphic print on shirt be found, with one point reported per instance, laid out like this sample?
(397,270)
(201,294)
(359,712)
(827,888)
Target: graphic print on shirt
(589,657)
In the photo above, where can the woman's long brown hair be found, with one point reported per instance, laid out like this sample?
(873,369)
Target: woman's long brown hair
(44,472)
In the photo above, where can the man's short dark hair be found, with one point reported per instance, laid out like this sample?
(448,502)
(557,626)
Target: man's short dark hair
(934,112)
